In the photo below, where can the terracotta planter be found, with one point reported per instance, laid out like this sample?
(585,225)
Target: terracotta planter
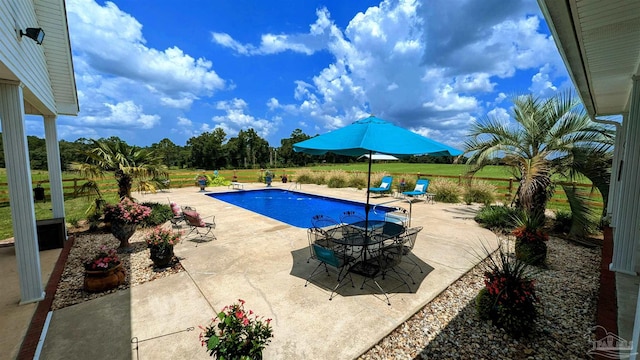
(161,256)
(103,280)
(123,232)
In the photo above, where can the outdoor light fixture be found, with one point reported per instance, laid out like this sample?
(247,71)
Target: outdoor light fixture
(37,34)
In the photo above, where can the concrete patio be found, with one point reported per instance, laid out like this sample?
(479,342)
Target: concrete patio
(264,262)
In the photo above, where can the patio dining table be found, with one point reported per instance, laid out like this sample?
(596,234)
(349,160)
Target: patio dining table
(358,240)
(361,241)
(377,231)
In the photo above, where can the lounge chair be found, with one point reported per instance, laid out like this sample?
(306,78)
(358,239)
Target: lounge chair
(385,186)
(422,185)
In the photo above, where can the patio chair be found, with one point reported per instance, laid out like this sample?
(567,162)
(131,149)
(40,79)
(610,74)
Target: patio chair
(198,224)
(321,237)
(327,223)
(385,186)
(178,216)
(422,185)
(384,264)
(408,241)
(336,260)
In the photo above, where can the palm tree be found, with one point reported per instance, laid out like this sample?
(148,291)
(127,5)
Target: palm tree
(127,163)
(548,136)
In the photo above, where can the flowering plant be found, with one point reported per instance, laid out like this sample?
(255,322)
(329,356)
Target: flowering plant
(529,229)
(236,334)
(106,259)
(126,211)
(509,297)
(162,238)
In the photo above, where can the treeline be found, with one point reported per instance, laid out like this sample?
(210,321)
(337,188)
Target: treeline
(209,150)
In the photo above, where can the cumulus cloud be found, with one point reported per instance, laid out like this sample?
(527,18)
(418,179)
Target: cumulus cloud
(121,115)
(402,61)
(111,41)
(305,43)
(236,119)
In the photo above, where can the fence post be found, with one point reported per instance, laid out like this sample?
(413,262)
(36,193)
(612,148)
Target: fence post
(75,187)
(510,186)
(459,179)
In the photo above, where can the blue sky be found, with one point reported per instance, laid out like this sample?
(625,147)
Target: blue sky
(149,70)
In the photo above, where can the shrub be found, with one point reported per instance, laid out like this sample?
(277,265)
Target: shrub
(530,239)
(497,217)
(319,178)
(480,192)
(510,287)
(445,191)
(562,222)
(160,213)
(338,179)
(484,304)
(357,180)
(304,177)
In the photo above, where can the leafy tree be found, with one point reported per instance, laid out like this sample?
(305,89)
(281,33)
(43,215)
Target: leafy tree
(206,149)
(247,150)
(37,152)
(548,136)
(288,156)
(128,164)
(169,151)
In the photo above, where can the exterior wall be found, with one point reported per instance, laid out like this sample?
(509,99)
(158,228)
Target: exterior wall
(23,59)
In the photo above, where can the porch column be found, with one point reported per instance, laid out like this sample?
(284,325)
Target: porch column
(20,193)
(627,232)
(53,164)
(614,182)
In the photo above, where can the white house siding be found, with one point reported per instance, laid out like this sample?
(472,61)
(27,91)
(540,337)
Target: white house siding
(24,58)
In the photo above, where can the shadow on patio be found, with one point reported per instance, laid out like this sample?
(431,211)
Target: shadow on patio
(302,269)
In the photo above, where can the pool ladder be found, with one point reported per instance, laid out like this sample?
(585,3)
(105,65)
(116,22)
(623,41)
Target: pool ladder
(294,185)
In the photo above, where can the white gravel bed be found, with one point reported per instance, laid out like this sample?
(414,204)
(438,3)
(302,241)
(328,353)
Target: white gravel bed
(138,267)
(448,327)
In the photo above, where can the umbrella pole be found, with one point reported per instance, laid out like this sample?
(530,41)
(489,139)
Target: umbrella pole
(366,209)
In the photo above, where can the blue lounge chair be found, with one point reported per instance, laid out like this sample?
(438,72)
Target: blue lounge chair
(385,186)
(422,185)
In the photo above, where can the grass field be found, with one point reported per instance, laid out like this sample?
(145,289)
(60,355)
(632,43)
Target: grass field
(75,207)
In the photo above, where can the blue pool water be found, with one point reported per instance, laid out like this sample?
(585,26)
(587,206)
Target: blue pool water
(295,208)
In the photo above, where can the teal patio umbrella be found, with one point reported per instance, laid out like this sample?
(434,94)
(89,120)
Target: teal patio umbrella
(373,135)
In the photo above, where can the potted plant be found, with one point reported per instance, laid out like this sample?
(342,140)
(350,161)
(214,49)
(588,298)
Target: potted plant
(103,271)
(236,334)
(268,177)
(202,180)
(508,298)
(531,239)
(124,218)
(160,243)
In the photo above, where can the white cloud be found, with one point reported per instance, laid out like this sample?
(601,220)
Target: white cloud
(235,119)
(121,115)
(305,43)
(403,61)
(111,41)
(541,83)
(182,121)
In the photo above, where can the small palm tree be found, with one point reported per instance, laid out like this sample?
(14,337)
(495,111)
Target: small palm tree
(549,136)
(127,163)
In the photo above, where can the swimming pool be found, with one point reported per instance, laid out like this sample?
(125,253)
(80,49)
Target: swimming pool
(295,208)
